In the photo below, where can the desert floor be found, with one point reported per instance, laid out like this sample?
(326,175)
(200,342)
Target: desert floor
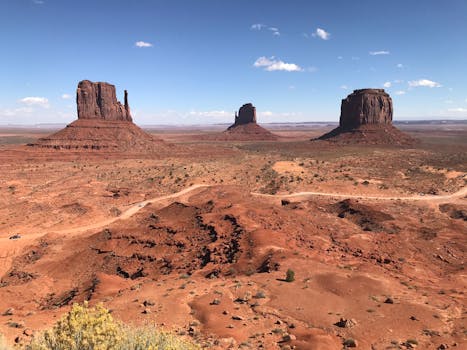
(198,240)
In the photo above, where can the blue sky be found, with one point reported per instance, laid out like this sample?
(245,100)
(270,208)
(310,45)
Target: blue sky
(197,61)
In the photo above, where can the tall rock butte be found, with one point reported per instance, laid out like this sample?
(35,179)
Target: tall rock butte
(366,117)
(99,101)
(103,124)
(245,127)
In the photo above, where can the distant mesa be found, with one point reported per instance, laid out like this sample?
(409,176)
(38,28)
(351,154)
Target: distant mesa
(103,124)
(366,117)
(245,127)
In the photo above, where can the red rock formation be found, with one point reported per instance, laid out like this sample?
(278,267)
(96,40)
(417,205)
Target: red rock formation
(99,101)
(366,106)
(245,127)
(246,114)
(103,124)
(366,117)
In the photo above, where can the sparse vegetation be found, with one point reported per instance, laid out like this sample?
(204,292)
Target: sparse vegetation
(290,275)
(85,328)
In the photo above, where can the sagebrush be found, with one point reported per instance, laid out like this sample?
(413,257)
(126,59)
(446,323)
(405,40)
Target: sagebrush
(86,328)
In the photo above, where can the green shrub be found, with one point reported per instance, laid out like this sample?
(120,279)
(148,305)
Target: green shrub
(85,328)
(290,275)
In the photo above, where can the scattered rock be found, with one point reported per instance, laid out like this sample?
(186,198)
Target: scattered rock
(443,347)
(288,337)
(28,332)
(8,312)
(345,323)
(215,302)
(389,301)
(148,303)
(16,236)
(237,318)
(350,343)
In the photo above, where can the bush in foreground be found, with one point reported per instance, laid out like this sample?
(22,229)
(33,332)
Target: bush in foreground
(85,328)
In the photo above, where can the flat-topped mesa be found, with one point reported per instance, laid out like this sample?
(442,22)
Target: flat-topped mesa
(365,106)
(246,114)
(99,101)
(366,118)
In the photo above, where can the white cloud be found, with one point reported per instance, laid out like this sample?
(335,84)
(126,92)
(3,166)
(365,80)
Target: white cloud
(345,87)
(66,96)
(424,82)
(275,31)
(272,64)
(377,53)
(321,33)
(355,58)
(399,65)
(35,101)
(387,84)
(38,2)
(457,110)
(449,102)
(257,26)
(339,57)
(400,92)
(143,44)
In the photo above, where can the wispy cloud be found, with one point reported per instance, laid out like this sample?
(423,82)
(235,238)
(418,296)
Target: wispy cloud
(457,110)
(344,87)
(260,26)
(66,96)
(273,64)
(35,101)
(322,34)
(377,53)
(143,44)
(275,31)
(387,84)
(424,82)
(38,2)
(399,65)
(400,92)
(340,57)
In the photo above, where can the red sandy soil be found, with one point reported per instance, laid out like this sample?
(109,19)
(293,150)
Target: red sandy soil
(199,242)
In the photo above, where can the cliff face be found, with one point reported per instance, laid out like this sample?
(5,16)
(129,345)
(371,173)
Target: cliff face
(99,101)
(103,124)
(366,106)
(366,118)
(246,114)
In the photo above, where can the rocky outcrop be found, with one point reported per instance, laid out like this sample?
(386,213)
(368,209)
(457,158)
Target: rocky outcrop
(366,117)
(103,124)
(246,114)
(365,106)
(245,127)
(99,101)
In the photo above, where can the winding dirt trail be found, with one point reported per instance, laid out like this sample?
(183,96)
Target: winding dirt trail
(428,198)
